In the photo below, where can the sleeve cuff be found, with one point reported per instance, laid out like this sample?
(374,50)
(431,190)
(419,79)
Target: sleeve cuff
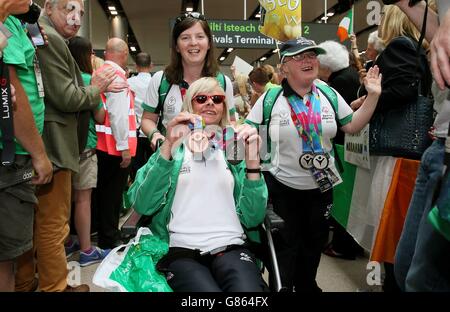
(346,120)
(254,183)
(251,123)
(148,108)
(122,145)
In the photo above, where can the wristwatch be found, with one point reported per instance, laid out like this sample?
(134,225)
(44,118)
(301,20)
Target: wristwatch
(253,170)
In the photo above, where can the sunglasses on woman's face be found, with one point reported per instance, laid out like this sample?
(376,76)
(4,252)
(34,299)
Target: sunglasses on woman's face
(195,15)
(217,99)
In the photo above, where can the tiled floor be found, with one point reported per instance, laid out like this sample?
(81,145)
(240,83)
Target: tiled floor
(334,275)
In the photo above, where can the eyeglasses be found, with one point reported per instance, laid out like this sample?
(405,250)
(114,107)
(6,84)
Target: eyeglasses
(195,15)
(302,57)
(217,99)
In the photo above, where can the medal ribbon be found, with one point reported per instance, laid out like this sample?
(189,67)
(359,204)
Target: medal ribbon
(306,115)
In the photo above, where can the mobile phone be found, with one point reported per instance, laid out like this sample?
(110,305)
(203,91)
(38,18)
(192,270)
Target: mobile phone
(35,32)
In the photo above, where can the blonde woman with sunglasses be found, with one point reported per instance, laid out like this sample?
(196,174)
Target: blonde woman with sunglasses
(207,208)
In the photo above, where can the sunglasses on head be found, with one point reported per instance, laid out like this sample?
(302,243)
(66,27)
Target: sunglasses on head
(195,15)
(217,99)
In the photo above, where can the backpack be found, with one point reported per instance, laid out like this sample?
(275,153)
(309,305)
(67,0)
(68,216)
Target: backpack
(270,99)
(163,90)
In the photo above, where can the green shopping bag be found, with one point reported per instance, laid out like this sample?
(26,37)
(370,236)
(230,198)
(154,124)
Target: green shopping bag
(137,272)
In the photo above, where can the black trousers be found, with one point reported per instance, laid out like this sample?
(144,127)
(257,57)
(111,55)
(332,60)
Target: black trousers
(300,242)
(230,271)
(111,183)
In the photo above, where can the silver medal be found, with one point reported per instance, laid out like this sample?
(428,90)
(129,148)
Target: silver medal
(306,161)
(321,161)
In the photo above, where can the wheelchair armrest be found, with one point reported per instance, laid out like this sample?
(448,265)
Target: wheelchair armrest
(130,226)
(272,220)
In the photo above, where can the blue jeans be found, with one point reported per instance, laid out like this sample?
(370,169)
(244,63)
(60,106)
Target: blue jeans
(430,267)
(430,171)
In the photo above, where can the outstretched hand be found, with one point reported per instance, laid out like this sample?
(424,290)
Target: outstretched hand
(440,53)
(372,81)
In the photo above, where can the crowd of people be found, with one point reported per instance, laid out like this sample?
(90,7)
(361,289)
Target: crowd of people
(185,145)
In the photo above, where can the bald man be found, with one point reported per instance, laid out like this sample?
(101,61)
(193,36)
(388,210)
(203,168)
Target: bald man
(116,145)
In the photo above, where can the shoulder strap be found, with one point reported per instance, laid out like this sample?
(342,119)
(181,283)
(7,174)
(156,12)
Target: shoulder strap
(333,99)
(269,100)
(330,95)
(222,82)
(164,87)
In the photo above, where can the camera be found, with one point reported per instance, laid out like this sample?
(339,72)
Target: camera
(32,16)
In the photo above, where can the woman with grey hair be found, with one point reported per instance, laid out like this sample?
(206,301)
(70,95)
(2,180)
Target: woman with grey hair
(335,69)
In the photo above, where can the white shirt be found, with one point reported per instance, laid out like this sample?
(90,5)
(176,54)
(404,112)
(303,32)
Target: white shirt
(203,212)
(118,107)
(139,84)
(442,107)
(287,146)
(174,102)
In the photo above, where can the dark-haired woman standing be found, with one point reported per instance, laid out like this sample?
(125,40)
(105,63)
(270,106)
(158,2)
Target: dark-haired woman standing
(192,57)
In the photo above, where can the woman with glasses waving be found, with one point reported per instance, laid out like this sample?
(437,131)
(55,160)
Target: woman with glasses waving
(302,117)
(206,207)
(192,57)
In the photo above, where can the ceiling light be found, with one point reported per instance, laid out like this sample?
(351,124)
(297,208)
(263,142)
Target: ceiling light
(114,13)
(324,18)
(133,49)
(258,15)
(222,58)
(330,14)
(275,51)
(189,9)
(229,50)
(263,59)
(112,8)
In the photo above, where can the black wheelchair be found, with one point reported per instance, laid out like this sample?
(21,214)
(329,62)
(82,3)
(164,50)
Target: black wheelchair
(265,251)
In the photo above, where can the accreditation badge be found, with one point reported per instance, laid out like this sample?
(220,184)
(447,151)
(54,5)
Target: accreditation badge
(322,180)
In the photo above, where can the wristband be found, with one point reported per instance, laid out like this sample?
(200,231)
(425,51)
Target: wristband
(152,133)
(254,170)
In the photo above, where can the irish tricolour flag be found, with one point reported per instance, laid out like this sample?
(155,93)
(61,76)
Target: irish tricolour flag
(345,26)
(372,204)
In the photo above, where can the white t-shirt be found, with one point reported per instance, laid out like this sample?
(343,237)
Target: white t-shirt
(287,146)
(203,212)
(139,84)
(174,102)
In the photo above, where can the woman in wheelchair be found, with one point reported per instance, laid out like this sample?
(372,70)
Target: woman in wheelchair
(206,206)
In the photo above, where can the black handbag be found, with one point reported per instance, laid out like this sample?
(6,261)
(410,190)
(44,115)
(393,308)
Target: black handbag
(403,131)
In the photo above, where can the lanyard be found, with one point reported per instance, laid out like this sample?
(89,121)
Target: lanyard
(306,115)
(6,120)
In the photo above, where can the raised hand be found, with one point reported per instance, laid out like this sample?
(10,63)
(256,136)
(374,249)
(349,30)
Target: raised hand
(372,81)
